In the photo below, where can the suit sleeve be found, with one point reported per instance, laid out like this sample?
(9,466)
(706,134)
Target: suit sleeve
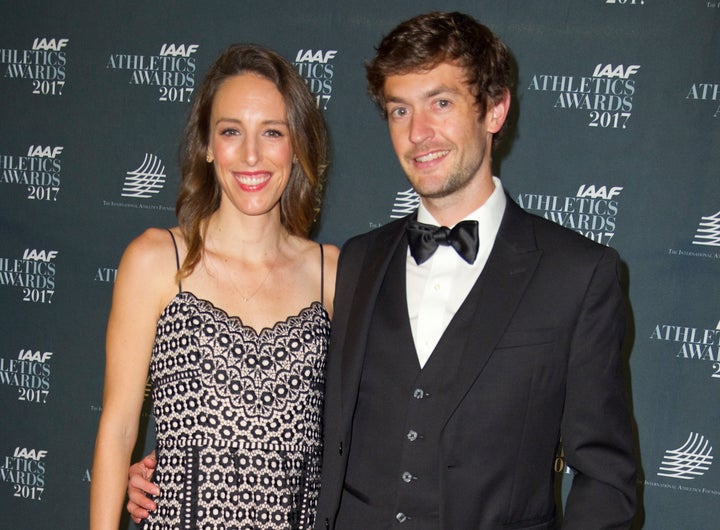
(333,467)
(596,425)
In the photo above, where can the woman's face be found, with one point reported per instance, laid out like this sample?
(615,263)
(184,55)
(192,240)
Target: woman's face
(249,144)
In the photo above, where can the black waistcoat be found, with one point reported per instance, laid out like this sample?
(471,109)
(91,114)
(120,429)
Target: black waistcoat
(393,474)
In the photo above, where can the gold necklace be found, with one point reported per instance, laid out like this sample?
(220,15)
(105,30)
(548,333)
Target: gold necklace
(246,299)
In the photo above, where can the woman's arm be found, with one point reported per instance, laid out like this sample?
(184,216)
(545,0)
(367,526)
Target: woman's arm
(140,293)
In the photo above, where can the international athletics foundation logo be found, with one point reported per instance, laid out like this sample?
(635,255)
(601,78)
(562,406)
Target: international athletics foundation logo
(689,461)
(708,232)
(406,202)
(706,240)
(146,180)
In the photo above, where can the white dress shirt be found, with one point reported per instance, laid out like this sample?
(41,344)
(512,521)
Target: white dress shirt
(437,288)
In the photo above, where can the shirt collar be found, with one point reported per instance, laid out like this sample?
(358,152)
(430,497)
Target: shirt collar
(488,216)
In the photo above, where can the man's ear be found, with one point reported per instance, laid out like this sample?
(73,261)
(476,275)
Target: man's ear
(497,113)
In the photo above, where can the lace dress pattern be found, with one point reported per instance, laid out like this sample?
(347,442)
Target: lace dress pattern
(238,418)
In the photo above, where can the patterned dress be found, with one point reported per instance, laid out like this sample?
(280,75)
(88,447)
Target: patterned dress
(238,418)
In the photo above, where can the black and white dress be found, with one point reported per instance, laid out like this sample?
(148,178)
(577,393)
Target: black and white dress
(238,418)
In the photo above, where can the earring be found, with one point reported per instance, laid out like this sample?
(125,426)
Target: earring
(209,158)
(295,159)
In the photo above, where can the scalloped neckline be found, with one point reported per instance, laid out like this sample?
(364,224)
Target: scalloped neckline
(239,321)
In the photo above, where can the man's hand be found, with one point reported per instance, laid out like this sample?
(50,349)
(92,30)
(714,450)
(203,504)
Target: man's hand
(139,486)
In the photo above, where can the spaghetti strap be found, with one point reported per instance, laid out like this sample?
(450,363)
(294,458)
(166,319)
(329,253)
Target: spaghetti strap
(177,258)
(322,274)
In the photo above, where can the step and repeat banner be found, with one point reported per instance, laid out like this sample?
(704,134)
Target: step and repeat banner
(615,133)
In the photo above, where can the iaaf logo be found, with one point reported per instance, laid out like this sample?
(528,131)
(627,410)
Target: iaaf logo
(39,255)
(44,65)
(318,56)
(35,356)
(592,212)
(31,454)
(689,461)
(38,171)
(318,71)
(49,44)
(601,192)
(172,70)
(607,94)
(48,152)
(34,273)
(146,180)
(178,50)
(25,470)
(619,71)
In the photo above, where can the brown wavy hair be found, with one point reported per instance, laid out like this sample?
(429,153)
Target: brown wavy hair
(425,41)
(200,191)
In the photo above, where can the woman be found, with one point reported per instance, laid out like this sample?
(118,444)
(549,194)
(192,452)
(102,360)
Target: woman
(237,383)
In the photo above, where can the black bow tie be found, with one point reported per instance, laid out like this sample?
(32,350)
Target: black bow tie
(424,239)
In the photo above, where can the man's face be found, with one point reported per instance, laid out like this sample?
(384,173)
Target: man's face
(442,143)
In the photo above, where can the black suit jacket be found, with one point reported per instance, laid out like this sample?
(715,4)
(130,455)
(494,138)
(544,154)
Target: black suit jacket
(542,363)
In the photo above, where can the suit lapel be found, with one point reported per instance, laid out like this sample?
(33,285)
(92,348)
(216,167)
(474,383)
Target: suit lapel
(493,299)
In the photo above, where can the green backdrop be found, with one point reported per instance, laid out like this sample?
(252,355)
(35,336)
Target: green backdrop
(615,133)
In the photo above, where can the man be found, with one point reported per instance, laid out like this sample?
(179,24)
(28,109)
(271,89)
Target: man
(452,379)
(450,383)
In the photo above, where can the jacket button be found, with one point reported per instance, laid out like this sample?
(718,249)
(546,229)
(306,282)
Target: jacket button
(412,435)
(401,517)
(407,477)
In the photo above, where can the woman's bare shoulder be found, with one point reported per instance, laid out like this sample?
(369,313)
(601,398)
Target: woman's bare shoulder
(331,253)
(151,254)
(309,249)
